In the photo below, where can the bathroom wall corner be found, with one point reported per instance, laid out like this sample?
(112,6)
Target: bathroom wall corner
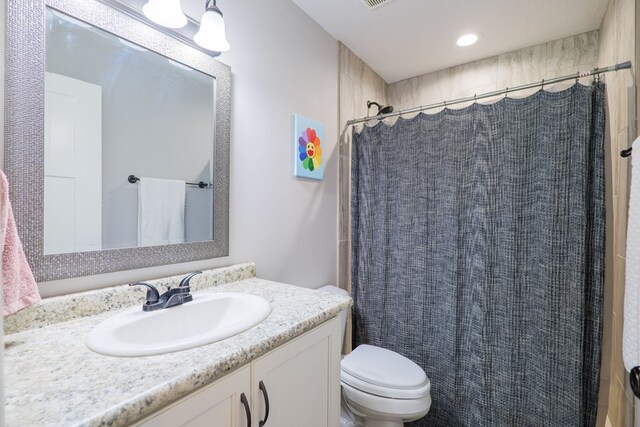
(358,83)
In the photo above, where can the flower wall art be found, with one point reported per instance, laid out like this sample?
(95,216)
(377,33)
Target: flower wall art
(308,139)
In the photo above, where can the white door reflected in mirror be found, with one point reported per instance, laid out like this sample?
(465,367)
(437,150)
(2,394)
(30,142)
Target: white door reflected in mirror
(73,165)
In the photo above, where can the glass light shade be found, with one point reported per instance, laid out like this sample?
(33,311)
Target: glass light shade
(212,34)
(167,13)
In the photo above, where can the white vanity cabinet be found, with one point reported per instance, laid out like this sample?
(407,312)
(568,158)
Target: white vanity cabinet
(218,404)
(300,379)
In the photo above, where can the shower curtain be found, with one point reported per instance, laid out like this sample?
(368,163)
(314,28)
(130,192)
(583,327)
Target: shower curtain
(478,253)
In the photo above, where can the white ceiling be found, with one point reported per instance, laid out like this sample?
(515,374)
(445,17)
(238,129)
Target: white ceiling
(406,38)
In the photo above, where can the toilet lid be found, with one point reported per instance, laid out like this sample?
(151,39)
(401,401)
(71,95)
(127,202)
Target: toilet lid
(384,372)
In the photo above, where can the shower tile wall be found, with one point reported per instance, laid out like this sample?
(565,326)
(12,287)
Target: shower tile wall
(358,83)
(543,61)
(617,44)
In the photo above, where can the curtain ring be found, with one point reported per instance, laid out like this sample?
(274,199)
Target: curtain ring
(506,92)
(475,98)
(577,77)
(542,84)
(445,103)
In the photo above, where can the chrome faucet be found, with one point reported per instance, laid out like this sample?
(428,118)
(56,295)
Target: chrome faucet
(171,298)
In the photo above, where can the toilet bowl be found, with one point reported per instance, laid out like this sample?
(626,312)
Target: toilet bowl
(380,388)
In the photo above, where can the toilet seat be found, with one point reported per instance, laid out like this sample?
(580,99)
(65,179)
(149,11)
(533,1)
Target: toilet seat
(391,393)
(367,405)
(384,373)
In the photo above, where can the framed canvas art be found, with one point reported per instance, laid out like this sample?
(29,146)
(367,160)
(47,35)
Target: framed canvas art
(308,140)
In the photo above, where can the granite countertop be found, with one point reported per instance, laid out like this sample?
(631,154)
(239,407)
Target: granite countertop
(51,378)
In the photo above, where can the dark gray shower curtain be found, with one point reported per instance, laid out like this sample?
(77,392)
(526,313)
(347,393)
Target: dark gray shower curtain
(478,252)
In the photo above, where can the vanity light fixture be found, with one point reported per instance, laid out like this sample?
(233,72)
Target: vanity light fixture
(212,35)
(467,40)
(167,13)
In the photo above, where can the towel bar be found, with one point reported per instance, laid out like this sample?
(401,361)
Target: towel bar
(133,179)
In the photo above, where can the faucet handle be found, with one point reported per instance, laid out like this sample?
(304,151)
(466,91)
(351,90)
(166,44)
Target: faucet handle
(153,296)
(184,283)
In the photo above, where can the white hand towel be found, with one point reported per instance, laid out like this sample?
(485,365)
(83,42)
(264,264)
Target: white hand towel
(631,322)
(160,211)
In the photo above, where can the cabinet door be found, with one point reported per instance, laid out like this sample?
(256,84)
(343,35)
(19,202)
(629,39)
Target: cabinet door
(302,381)
(215,405)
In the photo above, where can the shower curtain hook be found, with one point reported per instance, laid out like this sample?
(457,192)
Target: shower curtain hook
(506,92)
(542,84)
(475,98)
(577,77)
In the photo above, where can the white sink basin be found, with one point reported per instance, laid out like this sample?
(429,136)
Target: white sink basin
(208,318)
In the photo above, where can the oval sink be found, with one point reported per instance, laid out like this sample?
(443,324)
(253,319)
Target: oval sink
(208,318)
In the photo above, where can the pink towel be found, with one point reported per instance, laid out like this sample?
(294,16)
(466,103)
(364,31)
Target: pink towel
(19,286)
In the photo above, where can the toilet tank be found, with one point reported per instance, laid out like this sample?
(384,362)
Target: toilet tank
(343,314)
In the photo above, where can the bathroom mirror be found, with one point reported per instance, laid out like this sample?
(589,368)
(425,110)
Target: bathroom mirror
(98,104)
(114,109)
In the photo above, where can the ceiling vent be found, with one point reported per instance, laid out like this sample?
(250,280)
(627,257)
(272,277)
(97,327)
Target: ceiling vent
(374,4)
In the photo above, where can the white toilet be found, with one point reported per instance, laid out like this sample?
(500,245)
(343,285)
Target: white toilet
(380,387)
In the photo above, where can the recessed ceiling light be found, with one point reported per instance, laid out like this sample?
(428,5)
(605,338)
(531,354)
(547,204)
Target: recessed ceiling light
(467,40)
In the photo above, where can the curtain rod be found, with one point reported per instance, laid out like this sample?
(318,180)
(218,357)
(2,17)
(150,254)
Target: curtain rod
(595,72)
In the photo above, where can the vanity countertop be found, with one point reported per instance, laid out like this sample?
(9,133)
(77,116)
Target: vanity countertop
(51,378)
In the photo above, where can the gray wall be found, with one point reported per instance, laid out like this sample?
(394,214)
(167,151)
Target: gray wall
(157,122)
(282,63)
